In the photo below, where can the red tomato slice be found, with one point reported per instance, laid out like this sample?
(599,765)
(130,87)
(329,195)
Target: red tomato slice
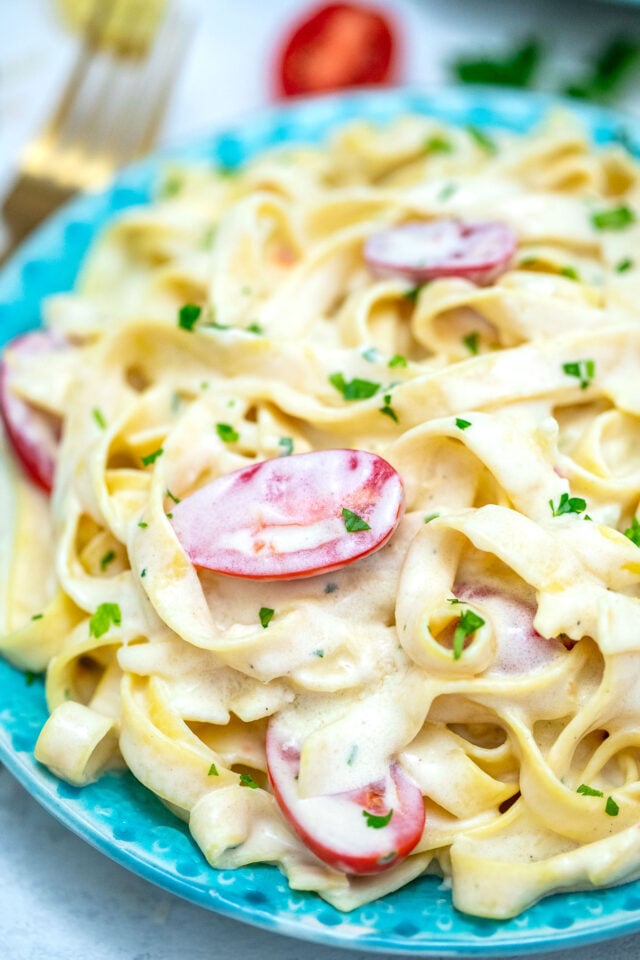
(293,516)
(360,832)
(33,435)
(335,46)
(424,250)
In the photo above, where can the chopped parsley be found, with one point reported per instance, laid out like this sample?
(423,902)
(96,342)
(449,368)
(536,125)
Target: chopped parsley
(213,771)
(142,524)
(356,389)
(568,504)
(353,753)
(37,616)
(611,807)
(588,791)
(569,272)
(266,615)
(375,821)
(515,69)
(431,516)
(468,623)
(246,780)
(286,446)
(98,416)
(462,424)
(610,70)
(616,218)
(438,144)
(171,496)
(624,265)
(255,328)
(353,522)
(106,615)
(318,653)
(152,457)
(108,558)
(583,370)
(227,433)
(188,315)
(483,140)
(447,192)
(29,677)
(397,360)
(387,409)
(331,588)
(471,342)
(143,572)
(632,533)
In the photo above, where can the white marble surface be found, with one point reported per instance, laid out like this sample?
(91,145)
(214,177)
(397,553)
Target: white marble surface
(59,898)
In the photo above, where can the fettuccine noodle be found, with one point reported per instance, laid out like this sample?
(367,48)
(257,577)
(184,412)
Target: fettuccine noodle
(511,411)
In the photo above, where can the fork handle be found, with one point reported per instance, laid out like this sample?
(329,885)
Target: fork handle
(29,201)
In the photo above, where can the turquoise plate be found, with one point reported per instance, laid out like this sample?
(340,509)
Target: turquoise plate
(119,816)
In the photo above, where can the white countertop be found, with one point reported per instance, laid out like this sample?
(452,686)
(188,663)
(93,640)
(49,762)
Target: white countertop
(59,898)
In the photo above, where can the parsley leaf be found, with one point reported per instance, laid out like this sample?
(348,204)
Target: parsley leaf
(462,424)
(588,791)
(355,389)
(108,558)
(286,446)
(37,616)
(397,360)
(213,771)
(633,532)
(227,433)
(611,807)
(616,218)
(388,409)
(187,316)
(375,821)
(569,272)
(611,68)
(438,144)
(172,496)
(246,780)
(414,292)
(29,677)
(447,192)
(471,342)
(98,416)
(152,457)
(568,504)
(353,522)
(106,615)
(516,69)
(483,140)
(430,517)
(468,623)
(624,265)
(584,370)
(266,615)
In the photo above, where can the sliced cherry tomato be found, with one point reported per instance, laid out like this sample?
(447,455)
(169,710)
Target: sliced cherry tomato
(520,648)
(359,832)
(292,516)
(424,250)
(336,46)
(33,434)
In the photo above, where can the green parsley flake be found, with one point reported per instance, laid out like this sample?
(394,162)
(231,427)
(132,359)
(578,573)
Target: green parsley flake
(286,446)
(388,409)
(266,615)
(188,315)
(152,457)
(246,780)
(632,533)
(142,525)
(438,144)
(353,753)
(29,677)
(568,504)
(588,791)
(143,572)
(583,370)
(468,623)
(255,328)
(616,218)
(569,272)
(624,265)
(37,616)
(483,140)
(471,342)
(106,615)
(397,360)
(108,558)
(514,69)
(462,424)
(447,192)
(171,496)
(98,416)
(611,807)
(414,292)
(318,653)
(375,821)
(353,522)
(355,389)
(331,588)
(431,516)
(227,433)
(213,771)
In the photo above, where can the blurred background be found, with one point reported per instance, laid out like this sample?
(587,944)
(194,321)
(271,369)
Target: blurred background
(225,58)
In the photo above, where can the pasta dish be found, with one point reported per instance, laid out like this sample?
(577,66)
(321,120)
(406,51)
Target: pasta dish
(322,511)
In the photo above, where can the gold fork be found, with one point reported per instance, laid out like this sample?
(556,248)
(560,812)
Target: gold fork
(108,114)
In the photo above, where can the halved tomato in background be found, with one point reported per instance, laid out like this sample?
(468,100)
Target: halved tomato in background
(337,45)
